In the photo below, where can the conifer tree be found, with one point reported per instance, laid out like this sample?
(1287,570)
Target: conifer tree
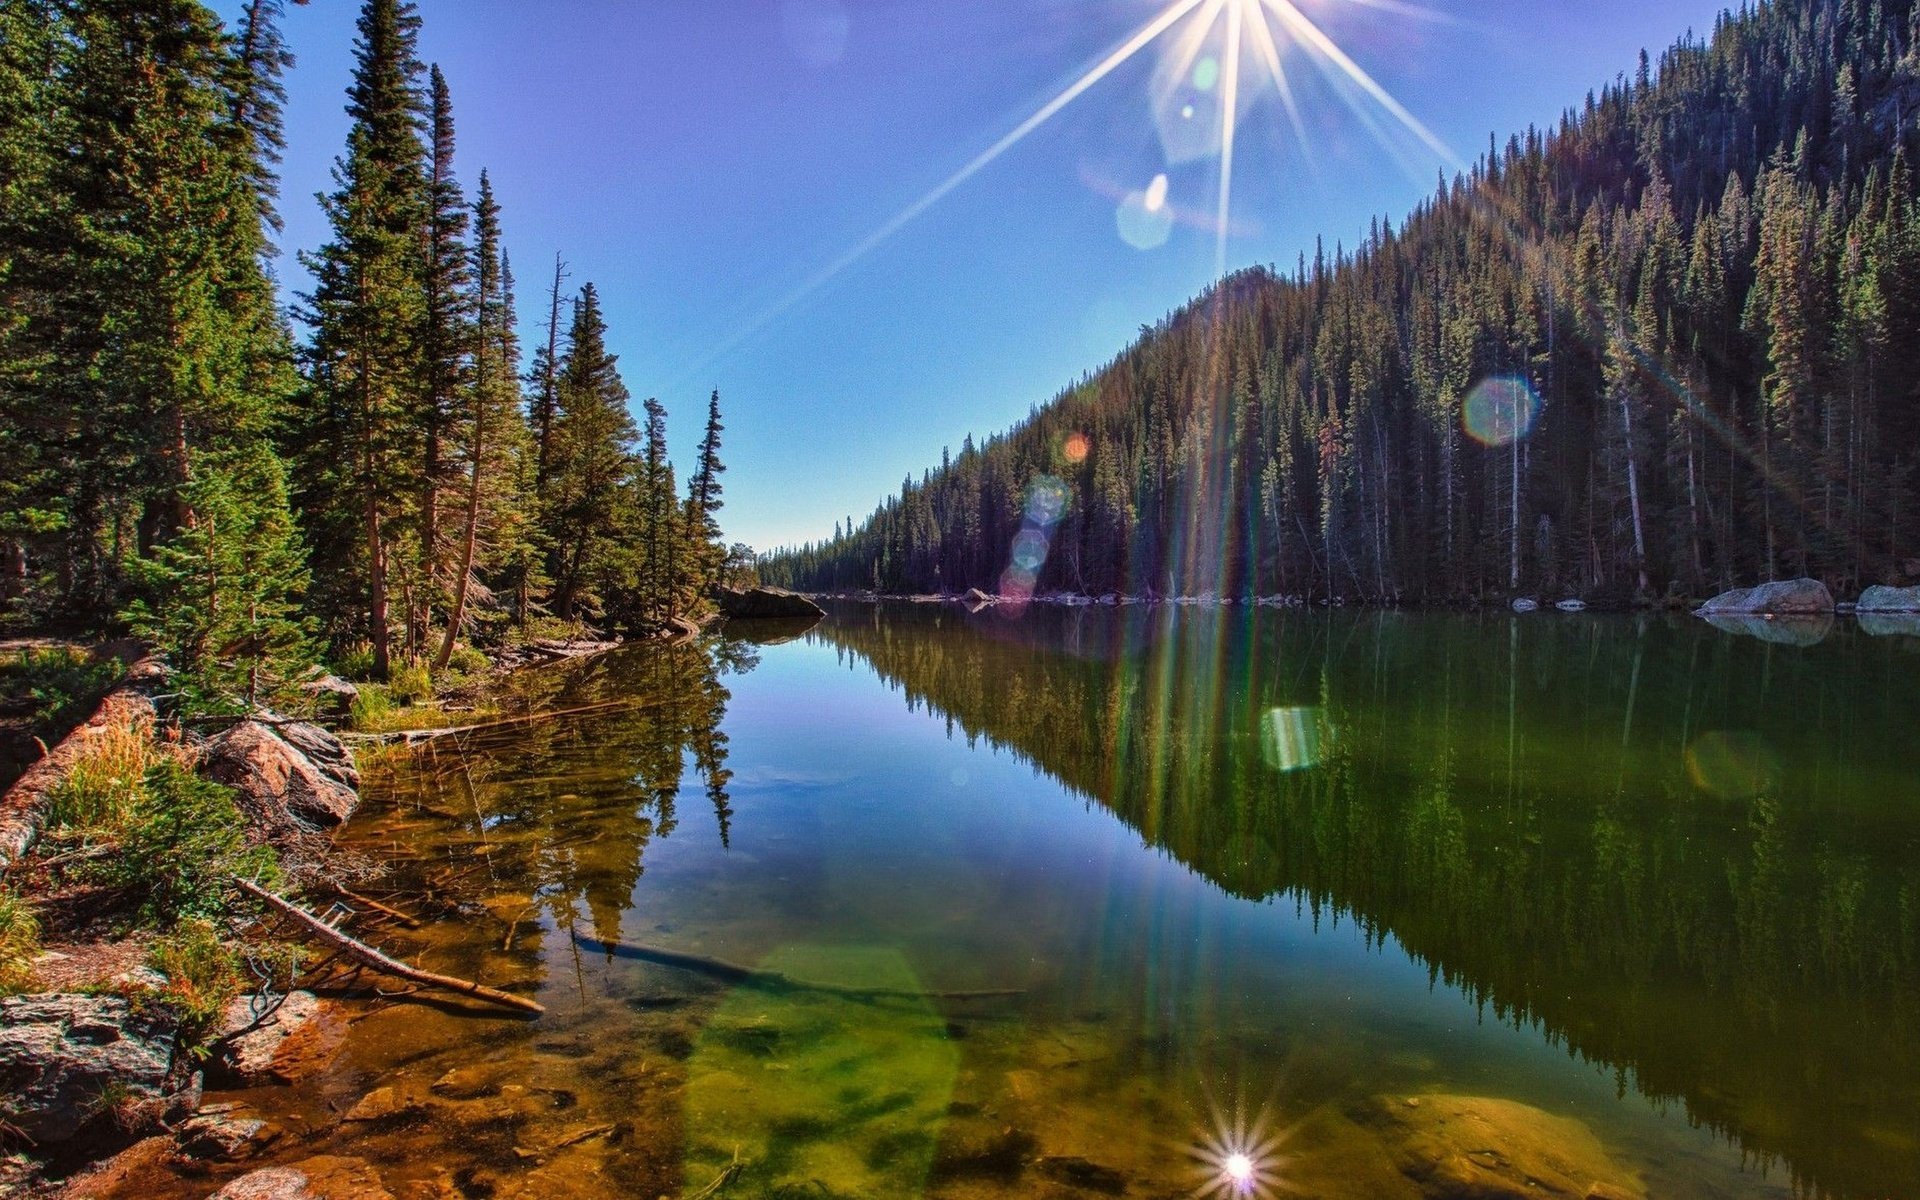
(706,545)
(494,523)
(589,493)
(360,438)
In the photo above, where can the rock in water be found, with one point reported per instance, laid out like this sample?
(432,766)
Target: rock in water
(1889,600)
(300,1038)
(1524,605)
(1792,598)
(976,596)
(757,603)
(60,1054)
(1483,1148)
(1572,606)
(1781,631)
(274,778)
(324,1177)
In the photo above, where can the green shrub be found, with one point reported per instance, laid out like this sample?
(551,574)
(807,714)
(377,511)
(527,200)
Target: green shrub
(203,974)
(19,944)
(55,687)
(181,843)
(411,684)
(355,664)
(370,708)
(102,789)
(468,661)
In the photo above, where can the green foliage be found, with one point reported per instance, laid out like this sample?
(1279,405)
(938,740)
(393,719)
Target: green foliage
(412,684)
(55,687)
(371,708)
(19,943)
(106,786)
(590,499)
(202,971)
(227,591)
(182,844)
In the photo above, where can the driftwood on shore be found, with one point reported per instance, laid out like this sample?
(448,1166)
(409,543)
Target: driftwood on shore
(720,968)
(28,803)
(358,951)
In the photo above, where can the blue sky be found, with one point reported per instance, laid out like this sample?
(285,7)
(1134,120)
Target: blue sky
(701,162)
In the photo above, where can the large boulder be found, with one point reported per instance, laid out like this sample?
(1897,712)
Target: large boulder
(1889,600)
(1485,1148)
(761,602)
(276,781)
(1789,598)
(65,1059)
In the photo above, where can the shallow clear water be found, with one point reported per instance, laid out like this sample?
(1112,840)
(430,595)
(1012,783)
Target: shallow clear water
(1258,878)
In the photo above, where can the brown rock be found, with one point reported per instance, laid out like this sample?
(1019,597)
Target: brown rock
(59,1054)
(1484,1148)
(127,1174)
(301,1038)
(324,1177)
(281,789)
(382,1104)
(225,1133)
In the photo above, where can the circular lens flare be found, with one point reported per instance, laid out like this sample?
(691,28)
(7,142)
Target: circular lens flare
(1500,411)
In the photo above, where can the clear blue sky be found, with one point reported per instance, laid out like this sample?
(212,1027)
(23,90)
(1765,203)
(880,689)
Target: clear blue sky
(701,162)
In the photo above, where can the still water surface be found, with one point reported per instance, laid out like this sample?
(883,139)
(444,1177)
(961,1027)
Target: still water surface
(1636,898)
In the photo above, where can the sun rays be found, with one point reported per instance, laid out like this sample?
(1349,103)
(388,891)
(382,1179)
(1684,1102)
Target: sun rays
(1219,62)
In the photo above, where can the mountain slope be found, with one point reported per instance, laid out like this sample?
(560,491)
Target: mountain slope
(1658,350)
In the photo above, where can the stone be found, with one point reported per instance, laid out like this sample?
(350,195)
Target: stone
(300,1038)
(331,694)
(1079,1173)
(1487,1148)
(1794,597)
(322,749)
(128,1173)
(976,596)
(61,1055)
(1524,605)
(1889,600)
(1571,605)
(324,1177)
(276,781)
(760,603)
(225,1133)
(382,1104)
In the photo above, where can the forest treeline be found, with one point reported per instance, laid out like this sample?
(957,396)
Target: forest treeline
(176,459)
(1662,349)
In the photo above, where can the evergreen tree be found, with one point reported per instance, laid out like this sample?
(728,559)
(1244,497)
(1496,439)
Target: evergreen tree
(587,508)
(359,440)
(706,545)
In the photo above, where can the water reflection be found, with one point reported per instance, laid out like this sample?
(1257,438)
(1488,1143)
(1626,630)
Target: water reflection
(1566,831)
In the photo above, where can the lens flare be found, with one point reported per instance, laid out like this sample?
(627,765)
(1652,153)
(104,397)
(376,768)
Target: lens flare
(1237,1159)
(1500,411)
(1075,448)
(1292,739)
(1733,764)
(1240,1169)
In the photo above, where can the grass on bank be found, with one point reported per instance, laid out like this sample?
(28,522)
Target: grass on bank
(161,846)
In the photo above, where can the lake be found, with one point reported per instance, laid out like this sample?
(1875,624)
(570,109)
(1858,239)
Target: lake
(1163,901)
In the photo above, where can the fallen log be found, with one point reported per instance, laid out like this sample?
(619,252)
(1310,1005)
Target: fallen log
(720,968)
(366,955)
(29,802)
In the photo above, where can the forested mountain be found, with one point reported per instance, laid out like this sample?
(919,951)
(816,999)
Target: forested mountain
(1661,349)
(176,458)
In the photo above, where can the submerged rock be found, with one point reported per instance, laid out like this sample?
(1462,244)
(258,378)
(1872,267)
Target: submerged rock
(1794,597)
(1485,1148)
(225,1133)
(759,603)
(300,1038)
(1889,600)
(63,1058)
(280,786)
(325,1177)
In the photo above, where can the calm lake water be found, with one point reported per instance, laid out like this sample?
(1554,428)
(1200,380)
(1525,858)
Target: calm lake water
(1258,878)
